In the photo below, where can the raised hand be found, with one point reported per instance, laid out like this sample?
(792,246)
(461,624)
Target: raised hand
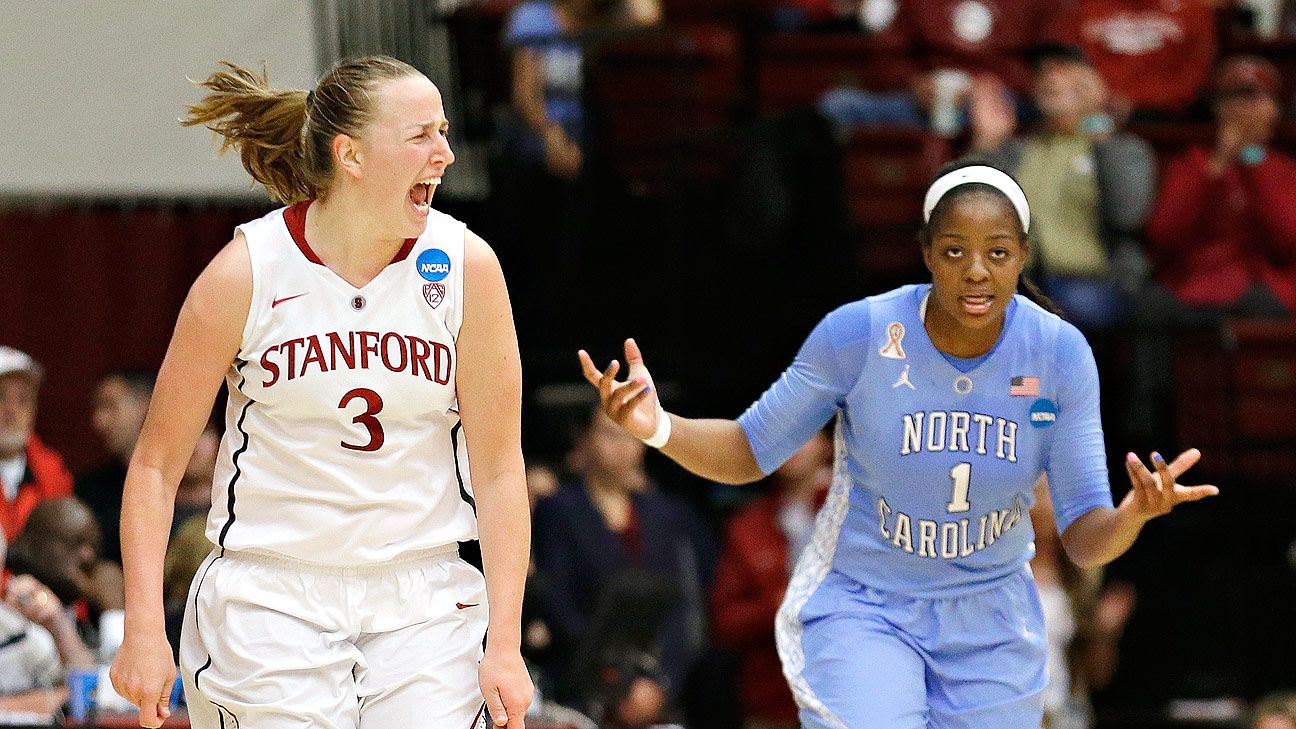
(1229,138)
(991,113)
(34,600)
(1157,493)
(632,404)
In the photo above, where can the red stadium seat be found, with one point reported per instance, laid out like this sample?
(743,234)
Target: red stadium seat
(1264,380)
(497,9)
(696,11)
(796,69)
(887,171)
(1203,403)
(1171,139)
(662,103)
(1237,402)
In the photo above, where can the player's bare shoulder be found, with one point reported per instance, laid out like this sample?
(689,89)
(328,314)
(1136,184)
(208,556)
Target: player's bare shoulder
(478,254)
(222,294)
(481,266)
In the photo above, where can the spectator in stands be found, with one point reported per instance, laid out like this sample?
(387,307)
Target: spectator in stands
(1222,237)
(120,403)
(189,545)
(542,482)
(39,642)
(194,495)
(1091,187)
(1083,622)
(61,550)
(1154,54)
(185,553)
(799,16)
(947,45)
(537,637)
(604,537)
(551,223)
(548,79)
(632,694)
(1275,711)
(29,470)
(761,546)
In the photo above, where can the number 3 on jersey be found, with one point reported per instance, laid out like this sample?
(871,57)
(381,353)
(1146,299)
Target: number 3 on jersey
(374,406)
(961,475)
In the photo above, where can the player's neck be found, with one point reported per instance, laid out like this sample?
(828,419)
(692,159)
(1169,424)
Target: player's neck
(956,340)
(345,242)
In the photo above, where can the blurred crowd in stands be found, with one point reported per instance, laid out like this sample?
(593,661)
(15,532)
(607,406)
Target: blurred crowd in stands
(712,176)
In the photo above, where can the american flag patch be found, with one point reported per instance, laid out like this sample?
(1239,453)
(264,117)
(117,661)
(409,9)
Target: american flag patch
(1024,386)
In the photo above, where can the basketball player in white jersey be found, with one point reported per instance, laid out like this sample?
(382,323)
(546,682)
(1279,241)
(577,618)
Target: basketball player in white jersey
(368,347)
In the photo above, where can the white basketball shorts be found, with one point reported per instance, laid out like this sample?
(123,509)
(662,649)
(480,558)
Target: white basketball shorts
(270,643)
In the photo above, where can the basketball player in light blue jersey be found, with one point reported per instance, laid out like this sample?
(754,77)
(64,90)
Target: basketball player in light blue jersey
(914,605)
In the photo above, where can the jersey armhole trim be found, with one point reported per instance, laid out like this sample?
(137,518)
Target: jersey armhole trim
(255,306)
(454,321)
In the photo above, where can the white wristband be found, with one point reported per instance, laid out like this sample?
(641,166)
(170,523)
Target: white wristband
(662,434)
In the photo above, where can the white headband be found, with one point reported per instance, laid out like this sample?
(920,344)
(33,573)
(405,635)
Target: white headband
(986,176)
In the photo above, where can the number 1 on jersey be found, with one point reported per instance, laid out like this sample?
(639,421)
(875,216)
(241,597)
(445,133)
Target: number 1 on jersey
(962,477)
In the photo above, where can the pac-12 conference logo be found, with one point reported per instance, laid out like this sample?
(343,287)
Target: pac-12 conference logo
(433,264)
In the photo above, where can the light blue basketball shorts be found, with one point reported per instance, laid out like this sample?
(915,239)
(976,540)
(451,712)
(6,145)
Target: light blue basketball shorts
(879,660)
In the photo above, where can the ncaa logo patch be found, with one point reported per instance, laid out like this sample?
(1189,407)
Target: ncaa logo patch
(1043,413)
(434,293)
(433,264)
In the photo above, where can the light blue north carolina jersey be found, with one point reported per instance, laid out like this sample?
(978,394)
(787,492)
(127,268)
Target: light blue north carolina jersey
(942,454)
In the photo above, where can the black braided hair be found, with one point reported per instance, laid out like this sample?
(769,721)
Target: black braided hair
(1030,290)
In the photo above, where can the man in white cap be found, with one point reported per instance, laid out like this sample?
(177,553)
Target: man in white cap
(29,470)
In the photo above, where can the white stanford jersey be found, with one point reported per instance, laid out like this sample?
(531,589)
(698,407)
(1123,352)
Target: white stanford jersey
(342,443)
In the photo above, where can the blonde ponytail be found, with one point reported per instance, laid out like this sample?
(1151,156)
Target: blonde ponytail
(265,125)
(285,138)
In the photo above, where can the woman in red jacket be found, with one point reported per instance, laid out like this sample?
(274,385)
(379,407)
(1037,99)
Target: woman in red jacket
(762,543)
(1222,237)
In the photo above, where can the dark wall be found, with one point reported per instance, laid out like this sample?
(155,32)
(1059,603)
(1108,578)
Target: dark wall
(87,288)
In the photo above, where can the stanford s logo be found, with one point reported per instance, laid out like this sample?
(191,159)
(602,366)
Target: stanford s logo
(434,293)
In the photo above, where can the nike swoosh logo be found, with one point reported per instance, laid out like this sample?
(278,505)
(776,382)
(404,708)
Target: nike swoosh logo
(277,302)
(461,605)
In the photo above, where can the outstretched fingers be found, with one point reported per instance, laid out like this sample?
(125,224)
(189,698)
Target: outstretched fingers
(1140,477)
(631,396)
(1160,493)
(588,369)
(1175,469)
(605,381)
(1184,461)
(632,353)
(1195,493)
(1166,480)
